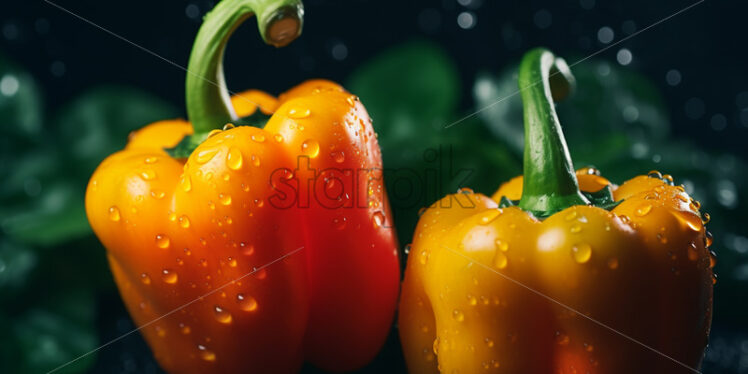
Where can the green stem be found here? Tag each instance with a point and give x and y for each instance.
(550, 184)
(208, 103)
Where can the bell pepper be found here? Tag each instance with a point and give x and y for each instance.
(252, 248)
(559, 271)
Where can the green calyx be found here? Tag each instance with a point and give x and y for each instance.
(208, 101)
(550, 184)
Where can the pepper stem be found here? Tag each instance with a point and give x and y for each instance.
(208, 103)
(550, 184)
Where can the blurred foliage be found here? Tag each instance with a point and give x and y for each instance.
(51, 266)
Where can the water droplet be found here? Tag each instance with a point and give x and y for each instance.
(500, 261)
(255, 160)
(206, 354)
(575, 228)
(186, 183)
(205, 155)
(162, 241)
(489, 216)
(424, 257)
(169, 276)
(184, 329)
(232, 262)
(225, 199)
(151, 160)
(246, 303)
(644, 210)
(246, 249)
(693, 253)
(296, 113)
(458, 315)
(156, 194)
(489, 342)
(581, 252)
(278, 138)
(148, 174)
(561, 338)
(339, 222)
(222, 315)
(708, 239)
(654, 174)
(465, 191)
(472, 300)
(338, 156)
(234, 159)
(705, 218)
(145, 279)
(571, 215)
(228, 126)
(613, 263)
(160, 331)
(114, 213)
(184, 221)
(258, 138)
(712, 259)
(378, 219)
(502, 245)
(310, 147)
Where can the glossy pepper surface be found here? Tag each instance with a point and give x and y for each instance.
(262, 247)
(559, 271)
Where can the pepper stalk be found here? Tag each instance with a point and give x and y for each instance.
(208, 102)
(549, 183)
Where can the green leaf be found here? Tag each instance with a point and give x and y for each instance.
(20, 104)
(16, 264)
(56, 215)
(55, 334)
(97, 123)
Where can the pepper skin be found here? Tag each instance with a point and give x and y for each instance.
(231, 260)
(556, 285)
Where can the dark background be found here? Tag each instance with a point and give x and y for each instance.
(704, 47)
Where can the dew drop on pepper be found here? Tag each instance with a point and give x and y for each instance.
(500, 261)
(338, 156)
(186, 183)
(225, 199)
(114, 213)
(145, 279)
(378, 219)
(222, 315)
(234, 159)
(169, 276)
(206, 354)
(297, 113)
(162, 241)
(644, 210)
(205, 155)
(581, 252)
(310, 147)
(246, 303)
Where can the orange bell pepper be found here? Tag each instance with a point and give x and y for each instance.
(558, 272)
(262, 247)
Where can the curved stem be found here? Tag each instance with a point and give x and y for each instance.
(550, 184)
(208, 103)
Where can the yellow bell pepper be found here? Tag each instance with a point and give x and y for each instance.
(559, 271)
